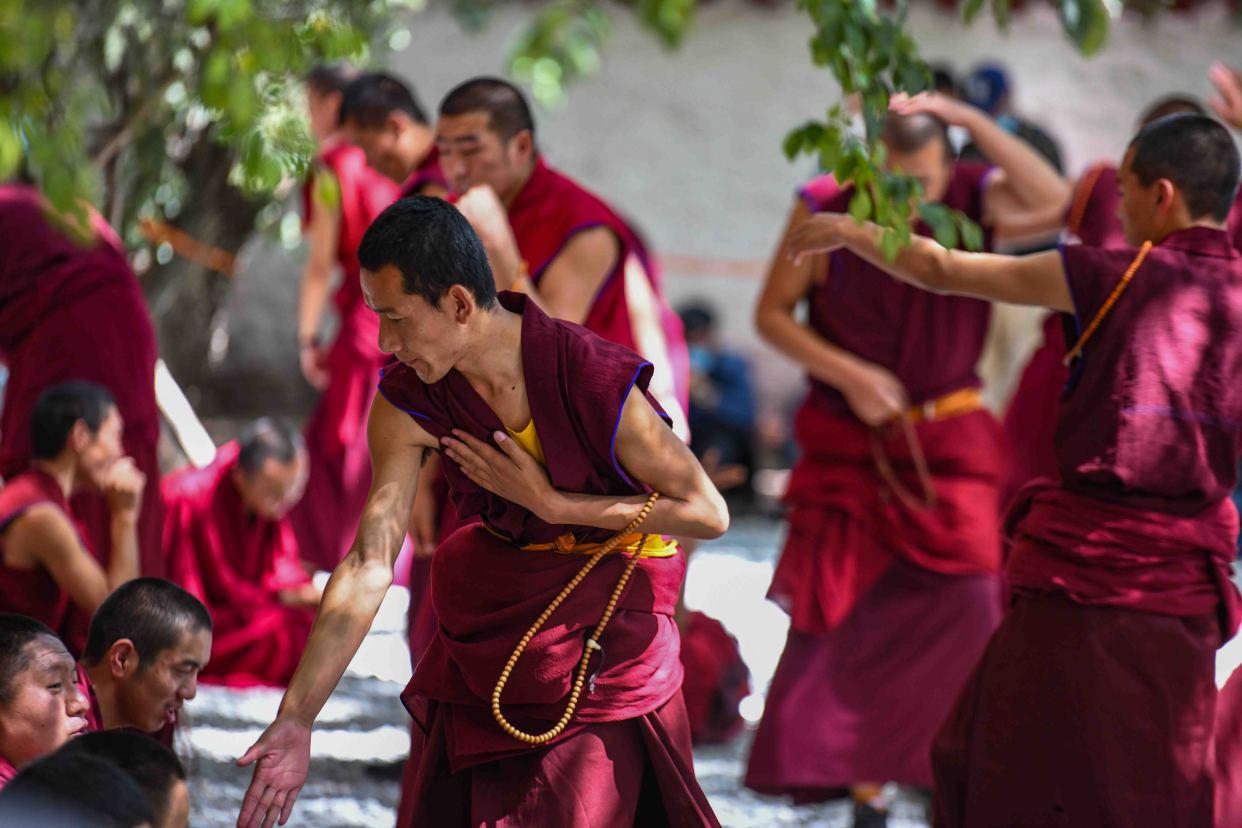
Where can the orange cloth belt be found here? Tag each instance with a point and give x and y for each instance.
(657, 546)
(953, 404)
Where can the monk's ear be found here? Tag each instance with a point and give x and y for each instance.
(1166, 195)
(80, 436)
(461, 303)
(122, 658)
(523, 145)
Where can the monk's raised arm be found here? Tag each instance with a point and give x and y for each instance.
(349, 604)
(568, 287)
(649, 451)
(1038, 279)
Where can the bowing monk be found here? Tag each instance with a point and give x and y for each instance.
(230, 544)
(148, 642)
(382, 115)
(889, 569)
(154, 768)
(552, 441)
(40, 706)
(47, 570)
(1093, 703)
(71, 308)
(341, 198)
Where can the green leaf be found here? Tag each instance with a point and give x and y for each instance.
(860, 205)
(940, 219)
(1086, 22)
(890, 244)
(972, 234)
(970, 10)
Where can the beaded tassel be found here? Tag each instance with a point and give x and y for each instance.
(592, 643)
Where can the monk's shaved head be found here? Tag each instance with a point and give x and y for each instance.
(327, 78)
(74, 789)
(152, 613)
(372, 97)
(17, 635)
(155, 769)
(1171, 105)
(907, 134)
(60, 408)
(268, 438)
(506, 107)
(1194, 152)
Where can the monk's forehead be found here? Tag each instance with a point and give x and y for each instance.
(48, 655)
(464, 126)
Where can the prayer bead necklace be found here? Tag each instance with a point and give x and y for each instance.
(1108, 303)
(592, 643)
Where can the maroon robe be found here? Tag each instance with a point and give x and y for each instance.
(33, 592)
(236, 563)
(626, 755)
(716, 680)
(1120, 573)
(882, 598)
(1031, 413)
(7, 772)
(336, 434)
(72, 312)
(427, 174)
(94, 714)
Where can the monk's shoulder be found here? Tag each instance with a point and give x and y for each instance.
(597, 364)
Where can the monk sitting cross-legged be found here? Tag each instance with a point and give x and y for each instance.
(551, 692)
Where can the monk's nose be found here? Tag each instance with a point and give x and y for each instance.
(75, 702)
(389, 342)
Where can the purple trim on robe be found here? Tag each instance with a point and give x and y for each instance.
(538, 274)
(612, 442)
(415, 414)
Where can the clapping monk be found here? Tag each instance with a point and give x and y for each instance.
(550, 695)
(1093, 703)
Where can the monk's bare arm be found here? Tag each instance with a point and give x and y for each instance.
(651, 343)
(569, 285)
(43, 536)
(359, 583)
(1023, 173)
(1038, 279)
(322, 235)
(786, 286)
(648, 451)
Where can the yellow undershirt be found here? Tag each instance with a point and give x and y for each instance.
(657, 546)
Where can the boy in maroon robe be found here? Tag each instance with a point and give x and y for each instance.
(889, 569)
(47, 570)
(1093, 703)
(504, 389)
(230, 544)
(40, 706)
(342, 197)
(71, 308)
(148, 643)
(382, 115)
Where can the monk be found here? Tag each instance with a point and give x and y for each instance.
(889, 569)
(148, 643)
(46, 565)
(71, 308)
(1092, 219)
(229, 543)
(342, 197)
(552, 441)
(382, 115)
(40, 706)
(155, 769)
(75, 790)
(1119, 572)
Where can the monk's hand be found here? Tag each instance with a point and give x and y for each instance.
(122, 485)
(281, 760)
(874, 394)
(311, 360)
(490, 220)
(950, 110)
(1227, 102)
(820, 233)
(507, 471)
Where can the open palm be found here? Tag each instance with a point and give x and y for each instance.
(281, 760)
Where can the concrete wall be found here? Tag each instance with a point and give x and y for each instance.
(688, 142)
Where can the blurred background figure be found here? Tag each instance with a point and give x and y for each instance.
(988, 87)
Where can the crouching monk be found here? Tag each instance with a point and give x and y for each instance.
(550, 438)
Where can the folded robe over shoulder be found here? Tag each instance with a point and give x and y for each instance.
(487, 591)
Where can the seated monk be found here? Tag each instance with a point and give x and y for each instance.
(147, 644)
(551, 439)
(46, 567)
(229, 542)
(155, 769)
(75, 790)
(40, 707)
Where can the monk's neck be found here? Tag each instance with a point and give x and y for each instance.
(511, 196)
(493, 366)
(1177, 227)
(62, 469)
(106, 695)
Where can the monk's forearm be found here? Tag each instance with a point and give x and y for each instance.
(316, 281)
(694, 517)
(822, 360)
(346, 612)
(123, 563)
(922, 263)
(1035, 181)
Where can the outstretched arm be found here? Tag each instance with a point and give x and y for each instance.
(349, 604)
(648, 450)
(1038, 279)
